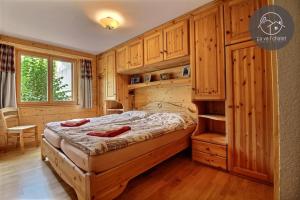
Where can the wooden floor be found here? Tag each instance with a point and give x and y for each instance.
(27, 177)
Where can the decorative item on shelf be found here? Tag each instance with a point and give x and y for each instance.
(135, 79)
(165, 76)
(186, 71)
(147, 78)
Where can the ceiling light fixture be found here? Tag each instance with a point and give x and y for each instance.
(109, 23)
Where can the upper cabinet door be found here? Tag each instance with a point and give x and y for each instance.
(153, 48)
(135, 53)
(237, 14)
(249, 95)
(207, 48)
(176, 40)
(122, 58)
(110, 75)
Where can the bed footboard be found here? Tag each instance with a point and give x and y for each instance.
(67, 170)
(111, 183)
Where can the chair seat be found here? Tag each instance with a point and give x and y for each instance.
(17, 129)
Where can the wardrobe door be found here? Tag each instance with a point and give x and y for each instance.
(153, 47)
(122, 59)
(176, 40)
(237, 14)
(249, 96)
(110, 75)
(135, 53)
(207, 48)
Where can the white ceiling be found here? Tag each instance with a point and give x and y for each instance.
(73, 23)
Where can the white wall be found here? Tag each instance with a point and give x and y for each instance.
(289, 109)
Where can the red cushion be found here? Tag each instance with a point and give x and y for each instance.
(111, 133)
(75, 123)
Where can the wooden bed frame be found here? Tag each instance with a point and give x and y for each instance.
(111, 183)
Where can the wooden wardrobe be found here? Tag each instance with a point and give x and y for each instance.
(236, 120)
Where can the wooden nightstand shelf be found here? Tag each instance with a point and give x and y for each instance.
(209, 142)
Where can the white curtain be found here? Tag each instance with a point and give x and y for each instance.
(7, 77)
(86, 89)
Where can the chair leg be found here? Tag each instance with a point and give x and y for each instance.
(22, 142)
(36, 134)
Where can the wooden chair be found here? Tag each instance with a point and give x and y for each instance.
(13, 128)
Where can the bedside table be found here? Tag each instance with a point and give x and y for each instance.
(210, 149)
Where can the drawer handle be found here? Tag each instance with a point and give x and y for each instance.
(207, 149)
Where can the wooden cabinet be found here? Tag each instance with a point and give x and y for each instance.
(176, 40)
(153, 47)
(207, 60)
(109, 65)
(209, 141)
(122, 58)
(249, 113)
(237, 14)
(115, 85)
(135, 53)
(209, 153)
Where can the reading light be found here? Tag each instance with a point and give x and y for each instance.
(109, 23)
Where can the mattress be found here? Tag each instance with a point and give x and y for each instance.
(108, 160)
(52, 138)
(144, 126)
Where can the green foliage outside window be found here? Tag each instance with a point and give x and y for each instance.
(34, 81)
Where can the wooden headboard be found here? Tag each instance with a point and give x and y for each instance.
(169, 107)
(176, 94)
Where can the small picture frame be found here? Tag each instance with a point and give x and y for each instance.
(135, 79)
(186, 72)
(165, 76)
(147, 78)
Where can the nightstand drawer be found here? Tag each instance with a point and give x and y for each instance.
(210, 159)
(214, 149)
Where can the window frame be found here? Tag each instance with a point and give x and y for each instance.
(50, 91)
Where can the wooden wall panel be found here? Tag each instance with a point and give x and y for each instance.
(179, 95)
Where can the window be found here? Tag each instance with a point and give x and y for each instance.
(34, 79)
(62, 80)
(45, 79)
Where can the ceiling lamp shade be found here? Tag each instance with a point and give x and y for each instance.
(109, 23)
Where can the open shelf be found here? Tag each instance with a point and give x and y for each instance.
(181, 81)
(115, 109)
(215, 138)
(213, 117)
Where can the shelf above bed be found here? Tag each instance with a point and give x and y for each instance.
(115, 109)
(181, 81)
(157, 66)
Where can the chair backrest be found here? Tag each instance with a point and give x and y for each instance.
(10, 117)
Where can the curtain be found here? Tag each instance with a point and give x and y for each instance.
(7, 77)
(86, 98)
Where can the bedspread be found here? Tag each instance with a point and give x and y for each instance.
(144, 126)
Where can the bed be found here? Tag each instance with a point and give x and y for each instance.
(100, 167)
